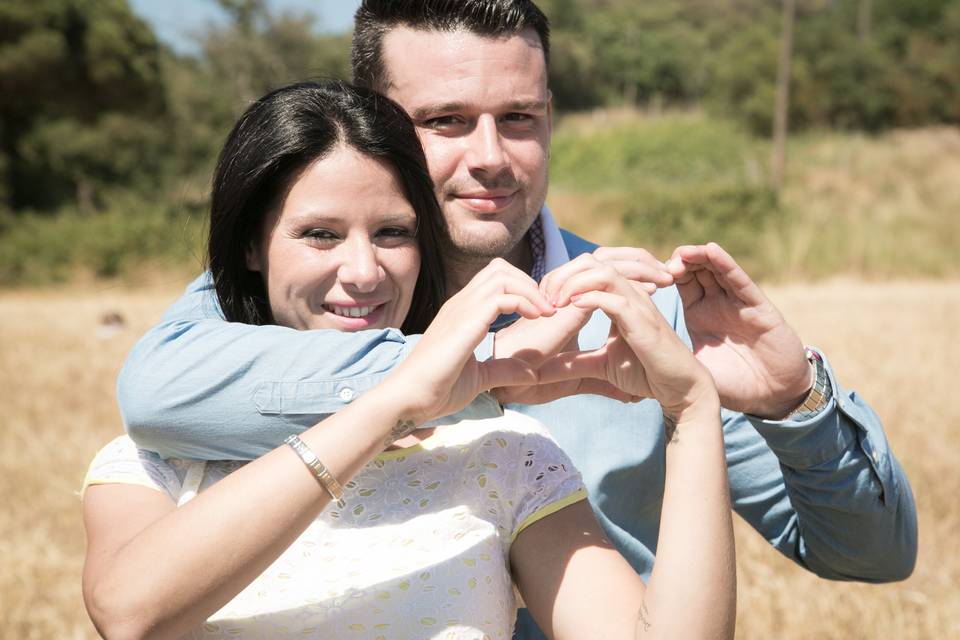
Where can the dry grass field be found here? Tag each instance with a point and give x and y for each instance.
(895, 341)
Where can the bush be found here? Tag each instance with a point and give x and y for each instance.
(666, 181)
(727, 211)
(43, 249)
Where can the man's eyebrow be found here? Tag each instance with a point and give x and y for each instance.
(454, 107)
(441, 107)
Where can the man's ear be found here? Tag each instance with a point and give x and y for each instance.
(550, 111)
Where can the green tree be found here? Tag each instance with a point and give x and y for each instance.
(69, 60)
(258, 51)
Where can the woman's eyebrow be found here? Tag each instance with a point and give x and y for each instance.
(324, 217)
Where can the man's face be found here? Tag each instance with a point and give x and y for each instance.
(482, 111)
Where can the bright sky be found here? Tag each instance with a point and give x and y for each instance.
(175, 20)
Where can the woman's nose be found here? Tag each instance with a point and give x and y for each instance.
(360, 268)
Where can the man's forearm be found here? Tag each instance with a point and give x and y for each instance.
(200, 387)
(828, 492)
(209, 389)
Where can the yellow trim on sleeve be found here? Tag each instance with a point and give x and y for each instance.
(549, 509)
(89, 482)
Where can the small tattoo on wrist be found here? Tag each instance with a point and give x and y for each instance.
(404, 427)
(643, 616)
(670, 430)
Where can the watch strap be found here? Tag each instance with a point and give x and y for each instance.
(821, 391)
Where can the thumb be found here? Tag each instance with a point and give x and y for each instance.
(505, 372)
(573, 365)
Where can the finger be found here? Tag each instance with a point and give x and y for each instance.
(636, 316)
(509, 303)
(708, 282)
(549, 392)
(642, 272)
(635, 264)
(687, 259)
(689, 288)
(604, 388)
(601, 278)
(732, 277)
(501, 276)
(551, 282)
(691, 260)
(607, 254)
(571, 365)
(505, 372)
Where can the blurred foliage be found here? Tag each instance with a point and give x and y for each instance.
(126, 233)
(102, 125)
(669, 180)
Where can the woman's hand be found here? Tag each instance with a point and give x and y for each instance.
(643, 355)
(441, 374)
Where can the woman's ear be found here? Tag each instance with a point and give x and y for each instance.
(253, 257)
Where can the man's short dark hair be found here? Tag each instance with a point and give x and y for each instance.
(375, 18)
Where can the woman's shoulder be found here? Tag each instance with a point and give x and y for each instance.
(121, 461)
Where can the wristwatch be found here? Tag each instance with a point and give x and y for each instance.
(820, 393)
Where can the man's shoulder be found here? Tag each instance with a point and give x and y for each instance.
(576, 245)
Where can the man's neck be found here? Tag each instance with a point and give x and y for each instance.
(461, 269)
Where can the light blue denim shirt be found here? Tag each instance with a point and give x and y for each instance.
(826, 492)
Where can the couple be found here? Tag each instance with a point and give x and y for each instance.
(809, 468)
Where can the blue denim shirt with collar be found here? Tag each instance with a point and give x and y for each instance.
(826, 492)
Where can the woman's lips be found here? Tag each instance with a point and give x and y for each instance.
(355, 317)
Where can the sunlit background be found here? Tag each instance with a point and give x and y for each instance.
(112, 113)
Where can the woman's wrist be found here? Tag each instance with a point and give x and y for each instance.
(396, 400)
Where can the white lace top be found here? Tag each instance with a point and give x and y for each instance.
(421, 550)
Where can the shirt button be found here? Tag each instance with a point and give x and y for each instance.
(876, 457)
(346, 394)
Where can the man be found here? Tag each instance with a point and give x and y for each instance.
(809, 465)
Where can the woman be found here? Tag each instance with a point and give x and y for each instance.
(323, 218)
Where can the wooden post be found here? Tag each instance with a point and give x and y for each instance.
(864, 19)
(778, 160)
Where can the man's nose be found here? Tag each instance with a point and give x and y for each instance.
(360, 269)
(485, 152)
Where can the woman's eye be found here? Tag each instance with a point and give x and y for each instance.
(396, 232)
(322, 235)
(395, 235)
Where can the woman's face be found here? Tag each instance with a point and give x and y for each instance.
(342, 252)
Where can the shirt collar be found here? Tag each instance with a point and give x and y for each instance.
(549, 252)
(546, 245)
(554, 250)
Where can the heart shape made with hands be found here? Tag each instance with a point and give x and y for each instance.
(548, 348)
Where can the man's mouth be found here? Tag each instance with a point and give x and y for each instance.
(487, 202)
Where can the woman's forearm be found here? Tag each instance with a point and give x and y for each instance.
(190, 562)
(692, 589)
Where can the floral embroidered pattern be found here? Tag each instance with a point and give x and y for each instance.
(421, 551)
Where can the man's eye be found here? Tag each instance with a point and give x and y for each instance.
(443, 123)
(519, 119)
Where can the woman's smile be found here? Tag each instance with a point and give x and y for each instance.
(331, 260)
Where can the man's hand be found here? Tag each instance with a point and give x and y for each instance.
(756, 359)
(533, 341)
(637, 265)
